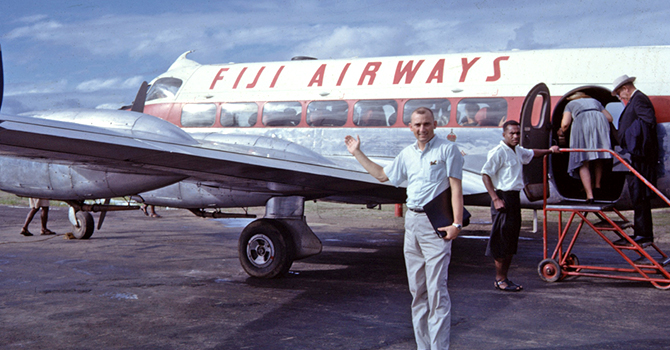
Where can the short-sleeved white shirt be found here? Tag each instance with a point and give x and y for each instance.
(427, 172)
(504, 165)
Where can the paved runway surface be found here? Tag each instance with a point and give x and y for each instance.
(175, 283)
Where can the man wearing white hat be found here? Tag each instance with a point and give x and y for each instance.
(637, 136)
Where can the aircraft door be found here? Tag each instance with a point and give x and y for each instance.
(535, 129)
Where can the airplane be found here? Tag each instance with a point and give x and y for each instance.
(237, 135)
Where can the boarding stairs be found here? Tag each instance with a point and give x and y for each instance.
(647, 261)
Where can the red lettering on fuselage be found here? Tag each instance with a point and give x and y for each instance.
(370, 71)
(344, 71)
(219, 76)
(437, 72)
(274, 81)
(253, 84)
(466, 67)
(496, 68)
(407, 71)
(239, 77)
(318, 76)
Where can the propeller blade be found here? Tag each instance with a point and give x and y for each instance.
(138, 104)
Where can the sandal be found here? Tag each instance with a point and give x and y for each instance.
(46, 231)
(509, 286)
(144, 210)
(26, 232)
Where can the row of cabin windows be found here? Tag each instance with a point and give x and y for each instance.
(470, 112)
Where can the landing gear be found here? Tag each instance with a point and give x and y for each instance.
(265, 249)
(82, 224)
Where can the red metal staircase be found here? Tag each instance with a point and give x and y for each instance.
(647, 261)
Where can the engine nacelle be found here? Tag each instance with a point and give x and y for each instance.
(45, 179)
(188, 194)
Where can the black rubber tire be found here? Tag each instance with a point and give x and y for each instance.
(265, 249)
(549, 270)
(85, 225)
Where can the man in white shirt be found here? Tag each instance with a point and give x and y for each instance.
(430, 166)
(503, 180)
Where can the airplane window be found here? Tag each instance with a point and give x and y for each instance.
(482, 111)
(327, 113)
(441, 109)
(198, 115)
(164, 87)
(239, 114)
(375, 112)
(282, 113)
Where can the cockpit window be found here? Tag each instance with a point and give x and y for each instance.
(164, 88)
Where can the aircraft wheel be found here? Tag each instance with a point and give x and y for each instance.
(85, 225)
(265, 249)
(549, 270)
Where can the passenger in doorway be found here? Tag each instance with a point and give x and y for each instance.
(430, 166)
(501, 175)
(35, 205)
(590, 130)
(637, 136)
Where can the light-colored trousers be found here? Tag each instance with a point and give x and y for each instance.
(427, 259)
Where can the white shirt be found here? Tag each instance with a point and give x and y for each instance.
(427, 172)
(504, 165)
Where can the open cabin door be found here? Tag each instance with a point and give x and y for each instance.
(535, 129)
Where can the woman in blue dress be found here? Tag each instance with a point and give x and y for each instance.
(590, 130)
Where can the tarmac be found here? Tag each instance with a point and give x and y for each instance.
(175, 282)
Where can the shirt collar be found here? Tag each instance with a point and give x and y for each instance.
(502, 142)
(429, 144)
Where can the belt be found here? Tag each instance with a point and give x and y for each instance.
(417, 210)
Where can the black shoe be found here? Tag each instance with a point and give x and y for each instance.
(589, 201)
(622, 241)
(643, 239)
(26, 232)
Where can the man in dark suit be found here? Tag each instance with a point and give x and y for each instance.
(637, 136)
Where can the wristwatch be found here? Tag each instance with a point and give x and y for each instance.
(458, 226)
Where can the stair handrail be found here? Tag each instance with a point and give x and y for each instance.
(615, 155)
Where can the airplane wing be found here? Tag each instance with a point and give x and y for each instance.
(136, 143)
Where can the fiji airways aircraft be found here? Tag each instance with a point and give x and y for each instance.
(271, 134)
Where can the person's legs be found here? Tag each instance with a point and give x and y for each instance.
(45, 218)
(585, 176)
(598, 166)
(437, 255)
(29, 218)
(416, 278)
(502, 267)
